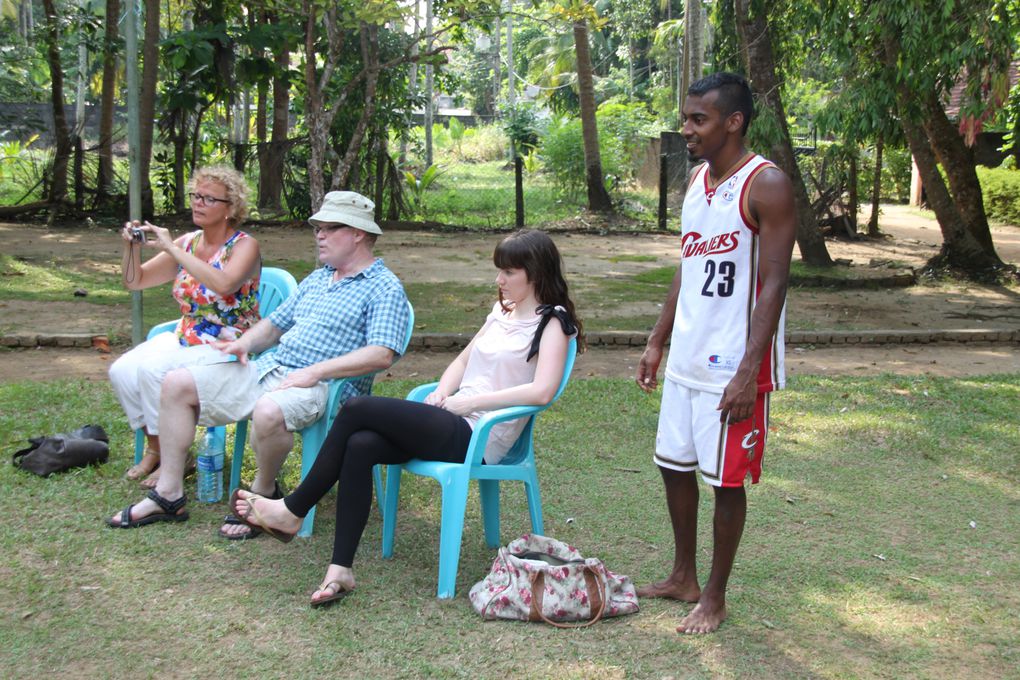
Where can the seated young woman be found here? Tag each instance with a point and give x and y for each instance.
(516, 358)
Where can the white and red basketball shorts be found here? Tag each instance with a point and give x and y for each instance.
(690, 436)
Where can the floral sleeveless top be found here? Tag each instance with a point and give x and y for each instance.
(206, 316)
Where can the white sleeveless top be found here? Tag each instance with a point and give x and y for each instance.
(719, 286)
(497, 361)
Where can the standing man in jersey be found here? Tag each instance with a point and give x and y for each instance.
(725, 313)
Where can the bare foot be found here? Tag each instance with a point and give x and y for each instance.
(702, 619)
(150, 481)
(148, 463)
(272, 514)
(153, 479)
(339, 581)
(671, 590)
(234, 529)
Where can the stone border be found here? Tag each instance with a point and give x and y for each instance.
(451, 342)
(457, 341)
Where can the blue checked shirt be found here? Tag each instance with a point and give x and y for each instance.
(324, 319)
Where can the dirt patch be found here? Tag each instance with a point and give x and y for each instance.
(465, 257)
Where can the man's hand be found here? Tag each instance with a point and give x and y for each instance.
(303, 377)
(738, 400)
(647, 369)
(234, 348)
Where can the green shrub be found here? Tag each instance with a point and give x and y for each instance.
(621, 135)
(631, 124)
(1000, 189)
(483, 143)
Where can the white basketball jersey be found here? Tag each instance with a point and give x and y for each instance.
(719, 286)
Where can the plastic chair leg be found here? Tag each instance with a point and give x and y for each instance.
(311, 441)
(139, 445)
(380, 490)
(237, 460)
(534, 504)
(455, 493)
(389, 513)
(488, 493)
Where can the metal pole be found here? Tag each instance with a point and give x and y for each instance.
(519, 191)
(663, 187)
(131, 20)
(511, 94)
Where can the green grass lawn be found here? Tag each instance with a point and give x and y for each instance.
(481, 196)
(882, 542)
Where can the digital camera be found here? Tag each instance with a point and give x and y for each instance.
(137, 235)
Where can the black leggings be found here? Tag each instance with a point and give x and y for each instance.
(369, 431)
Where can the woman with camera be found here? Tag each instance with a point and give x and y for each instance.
(215, 273)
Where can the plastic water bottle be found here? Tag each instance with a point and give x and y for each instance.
(210, 465)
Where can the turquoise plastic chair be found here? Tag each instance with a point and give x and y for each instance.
(275, 285)
(454, 479)
(314, 435)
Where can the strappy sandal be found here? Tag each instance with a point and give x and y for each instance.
(253, 532)
(257, 522)
(172, 512)
(340, 593)
(140, 470)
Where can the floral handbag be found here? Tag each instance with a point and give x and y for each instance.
(537, 578)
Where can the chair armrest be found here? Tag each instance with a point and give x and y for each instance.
(165, 327)
(480, 435)
(421, 391)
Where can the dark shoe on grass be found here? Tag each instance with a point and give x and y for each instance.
(173, 511)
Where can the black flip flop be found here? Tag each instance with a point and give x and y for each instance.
(170, 513)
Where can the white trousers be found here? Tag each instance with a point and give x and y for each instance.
(137, 376)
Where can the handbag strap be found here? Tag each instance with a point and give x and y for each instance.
(596, 595)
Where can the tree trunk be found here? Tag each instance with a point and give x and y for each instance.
(756, 45)
(960, 248)
(598, 197)
(853, 199)
(104, 176)
(62, 136)
(958, 162)
(316, 118)
(370, 59)
(273, 156)
(147, 100)
(876, 187)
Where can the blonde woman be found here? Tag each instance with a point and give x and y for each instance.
(215, 273)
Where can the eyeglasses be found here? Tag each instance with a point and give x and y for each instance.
(207, 200)
(328, 228)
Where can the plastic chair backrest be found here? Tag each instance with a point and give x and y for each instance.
(523, 447)
(275, 285)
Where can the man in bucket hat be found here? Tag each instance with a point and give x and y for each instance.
(347, 318)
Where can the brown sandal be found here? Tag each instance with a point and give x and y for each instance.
(338, 594)
(141, 469)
